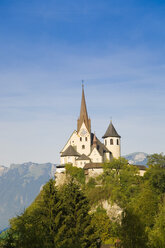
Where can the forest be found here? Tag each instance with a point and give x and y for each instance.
(72, 215)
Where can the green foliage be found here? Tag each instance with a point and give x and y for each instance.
(121, 180)
(75, 173)
(157, 234)
(156, 160)
(58, 219)
(145, 205)
(97, 194)
(105, 228)
(115, 164)
(132, 230)
(156, 178)
(76, 230)
(91, 183)
(155, 175)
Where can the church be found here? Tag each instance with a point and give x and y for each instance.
(83, 149)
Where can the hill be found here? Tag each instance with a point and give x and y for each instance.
(21, 183)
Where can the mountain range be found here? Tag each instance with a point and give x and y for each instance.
(137, 158)
(21, 183)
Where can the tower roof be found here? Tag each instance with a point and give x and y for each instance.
(83, 114)
(111, 132)
(70, 151)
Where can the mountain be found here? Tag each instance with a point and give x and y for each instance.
(3, 169)
(19, 185)
(137, 158)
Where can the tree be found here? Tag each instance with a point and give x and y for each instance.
(145, 205)
(105, 228)
(155, 176)
(51, 214)
(132, 231)
(115, 164)
(38, 225)
(59, 218)
(157, 234)
(156, 160)
(76, 230)
(75, 173)
(122, 181)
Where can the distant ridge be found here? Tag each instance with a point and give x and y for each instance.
(19, 185)
(137, 158)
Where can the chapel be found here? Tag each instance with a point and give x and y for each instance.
(83, 148)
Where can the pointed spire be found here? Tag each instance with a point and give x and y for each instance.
(94, 141)
(111, 132)
(83, 113)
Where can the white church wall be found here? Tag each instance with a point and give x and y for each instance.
(72, 141)
(95, 156)
(69, 160)
(84, 141)
(115, 148)
(81, 163)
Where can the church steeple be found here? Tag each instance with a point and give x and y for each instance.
(83, 114)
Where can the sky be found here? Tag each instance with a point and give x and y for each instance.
(48, 47)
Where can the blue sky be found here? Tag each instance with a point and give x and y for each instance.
(47, 47)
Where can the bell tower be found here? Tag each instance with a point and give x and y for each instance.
(112, 141)
(84, 128)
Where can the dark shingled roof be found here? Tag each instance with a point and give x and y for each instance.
(70, 151)
(111, 132)
(93, 166)
(100, 146)
(83, 157)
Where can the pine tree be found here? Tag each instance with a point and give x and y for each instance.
(76, 230)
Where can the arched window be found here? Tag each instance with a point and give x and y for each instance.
(105, 142)
(83, 147)
(80, 138)
(86, 138)
(117, 142)
(111, 141)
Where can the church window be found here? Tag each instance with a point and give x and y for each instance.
(105, 142)
(86, 138)
(111, 141)
(83, 147)
(80, 138)
(117, 142)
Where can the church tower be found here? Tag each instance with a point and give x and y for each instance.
(112, 141)
(84, 128)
